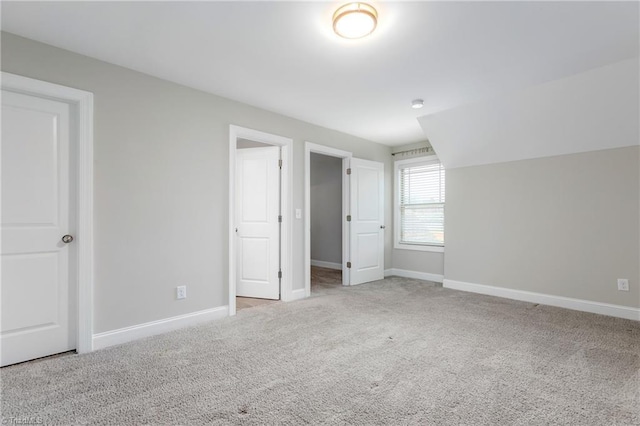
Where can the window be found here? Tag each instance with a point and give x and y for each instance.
(419, 204)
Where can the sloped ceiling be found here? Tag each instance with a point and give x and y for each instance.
(284, 57)
(594, 110)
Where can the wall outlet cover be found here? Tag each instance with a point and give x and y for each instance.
(623, 284)
(181, 292)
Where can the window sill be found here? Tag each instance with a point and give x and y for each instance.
(416, 247)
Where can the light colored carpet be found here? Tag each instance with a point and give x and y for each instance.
(396, 351)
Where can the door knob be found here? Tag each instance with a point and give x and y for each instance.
(67, 239)
(382, 226)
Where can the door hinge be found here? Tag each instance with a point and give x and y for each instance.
(280, 218)
(348, 218)
(280, 163)
(279, 274)
(348, 264)
(349, 171)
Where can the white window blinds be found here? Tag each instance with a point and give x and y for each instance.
(422, 204)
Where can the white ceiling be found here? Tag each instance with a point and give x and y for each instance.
(594, 110)
(283, 56)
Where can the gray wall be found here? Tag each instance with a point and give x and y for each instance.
(565, 225)
(413, 260)
(161, 182)
(246, 143)
(326, 208)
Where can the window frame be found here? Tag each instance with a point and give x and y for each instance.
(397, 166)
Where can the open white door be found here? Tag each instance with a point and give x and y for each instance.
(257, 226)
(37, 316)
(367, 221)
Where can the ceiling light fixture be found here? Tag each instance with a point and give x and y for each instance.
(417, 103)
(355, 20)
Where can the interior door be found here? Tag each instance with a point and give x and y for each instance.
(37, 316)
(257, 226)
(367, 221)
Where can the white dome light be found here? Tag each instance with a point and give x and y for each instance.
(355, 20)
(417, 103)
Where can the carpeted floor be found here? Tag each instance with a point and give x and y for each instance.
(322, 279)
(397, 351)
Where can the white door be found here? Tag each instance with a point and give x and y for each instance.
(38, 318)
(257, 226)
(367, 221)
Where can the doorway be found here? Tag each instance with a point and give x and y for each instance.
(330, 157)
(257, 225)
(363, 224)
(326, 222)
(259, 218)
(47, 188)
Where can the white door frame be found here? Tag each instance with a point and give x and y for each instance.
(82, 150)
(346, 161)
(235, 133)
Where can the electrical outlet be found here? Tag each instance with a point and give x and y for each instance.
(623, 284)
(181, 292)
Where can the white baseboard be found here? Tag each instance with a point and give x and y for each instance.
(298, 294)
(427, 276)
(323, 264)
(127, 334)
(546, 299)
